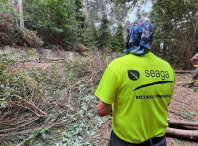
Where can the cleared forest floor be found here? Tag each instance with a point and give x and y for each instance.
(184, 106)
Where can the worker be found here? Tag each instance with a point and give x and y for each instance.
(137, 88)
(195, 74)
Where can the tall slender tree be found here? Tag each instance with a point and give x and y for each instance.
(21, 13)
(175, 28)
(120, 36)
(104, 37)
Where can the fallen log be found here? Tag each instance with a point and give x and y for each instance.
(183, 134)
(184, 71)
(183, 124)
(49, 59)
(54, 59)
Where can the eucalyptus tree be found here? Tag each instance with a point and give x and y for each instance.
(128, 4)
(20, 9)
(80, 20)
(115, 13)
(162, 22)
(175, 27)
(95, 9)
(17, 5)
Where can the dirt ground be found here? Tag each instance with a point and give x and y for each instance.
(184, 106)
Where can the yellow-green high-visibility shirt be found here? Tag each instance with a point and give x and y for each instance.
(139, 89)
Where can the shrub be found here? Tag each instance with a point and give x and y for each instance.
(6, 25)
(28, 38)
(11, 34)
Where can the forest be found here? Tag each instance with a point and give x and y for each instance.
(56, 105)
(64, 24)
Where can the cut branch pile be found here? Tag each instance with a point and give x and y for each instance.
(58, 96)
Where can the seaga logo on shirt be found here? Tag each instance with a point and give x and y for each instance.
(156, 73)
(134, 75)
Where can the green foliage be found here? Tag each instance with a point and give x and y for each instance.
(60, 23)
(105, 34)
(81, 126)
(7, 16)
(95, 37)
(65, 93)
(115, 44)
(126, 24)
(195, 89)
(128, 4)
(96, 7)
(184, 84)
(81, 25)
(11, 34)
(187, 115)
(28, 38)
(29, 140)
(120, 35)
(117, 13)
(175, 30)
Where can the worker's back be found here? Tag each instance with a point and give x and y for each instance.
(142, 87)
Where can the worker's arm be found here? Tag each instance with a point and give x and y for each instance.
(103, 109)
(192, 61)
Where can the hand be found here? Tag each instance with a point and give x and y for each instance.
(195, 65)
(111, 113)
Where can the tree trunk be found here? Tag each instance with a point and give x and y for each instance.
(183, 134)
(171, 54)
(86, 10)
(164, 47)
(21, 13)
(186, 123)
(183, 124)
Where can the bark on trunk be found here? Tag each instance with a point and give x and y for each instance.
(86, 10)
(182, 123)
(164, 47)
(21, 13)
(183, 134)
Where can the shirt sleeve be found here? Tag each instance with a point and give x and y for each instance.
(196, 57)
(107, 87)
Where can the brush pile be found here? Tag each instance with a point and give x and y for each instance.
(35, 101)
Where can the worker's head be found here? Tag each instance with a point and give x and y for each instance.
(139, 37)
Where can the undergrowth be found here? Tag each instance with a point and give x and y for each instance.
(188, 115)
(53, 106)
(11, 34)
